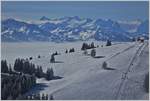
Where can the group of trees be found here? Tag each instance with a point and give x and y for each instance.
(87, 46)
(70, 50)
(15, 85)
(16, 82)
(38, 97)
(5, 68)
(90, 46)
(24, 66)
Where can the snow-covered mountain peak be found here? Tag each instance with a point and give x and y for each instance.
(44, 18)
(71, 28)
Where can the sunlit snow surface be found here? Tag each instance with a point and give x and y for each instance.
(83, 76)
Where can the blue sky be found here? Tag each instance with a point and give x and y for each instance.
(33, 10)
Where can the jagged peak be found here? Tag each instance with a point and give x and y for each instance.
(43, 18)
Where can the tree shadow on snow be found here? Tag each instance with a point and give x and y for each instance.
(37, 88)
(108, 68)
(58, 62)
(99, 56)
(57, 77)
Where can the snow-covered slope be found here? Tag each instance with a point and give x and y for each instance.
(67, 29)
(83, 76)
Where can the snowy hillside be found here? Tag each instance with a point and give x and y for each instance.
(70, 29)
(83, 76)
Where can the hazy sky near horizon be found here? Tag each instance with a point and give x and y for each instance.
(116, 10)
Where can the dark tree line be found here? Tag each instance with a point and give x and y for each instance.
(16, 82)
(4, 66)
(24, 66)
(87, 46)
(37, 97)
(70, 50)
(15, 85)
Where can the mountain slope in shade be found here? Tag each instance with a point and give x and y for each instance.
(67, 29)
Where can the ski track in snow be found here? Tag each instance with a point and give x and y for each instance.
(140, 49)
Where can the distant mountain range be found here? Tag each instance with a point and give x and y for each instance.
(71, 29)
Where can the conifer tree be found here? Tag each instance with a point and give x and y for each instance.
(104, 65)
(43, 96)
(4, 66)
(46, 97)
(85, 52)
(49, 74)
(93, 52)
(66, 51)
(52, 60)
(92, 45)
(51, 97)
(108, 43)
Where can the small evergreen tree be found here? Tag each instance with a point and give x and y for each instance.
(52, 60)
(83, 46)
(85, 52)
(51, 97)
(66, 51)
(108, 43)
(56, 53)
(4, 66)
(92, 45)
(104, 65)
(49, 74)
(30, 58)
(46, 97)
(43, 96)
(39, 56)
(93, 52)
